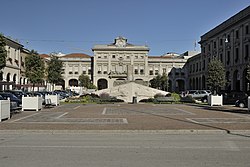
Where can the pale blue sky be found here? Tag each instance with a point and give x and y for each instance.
(71, 26)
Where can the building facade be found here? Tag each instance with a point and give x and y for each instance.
(10, 74)
(230, 43)
(122, 62)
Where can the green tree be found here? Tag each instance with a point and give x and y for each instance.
(85, 82)
(34, 68)
(216, 78)
(3, 53)
(54, 70)
(164, 82)
(160, 82)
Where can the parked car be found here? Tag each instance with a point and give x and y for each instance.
(18, 93)
(12, 98)
(242, 103)
(232, 97)
(199, 94)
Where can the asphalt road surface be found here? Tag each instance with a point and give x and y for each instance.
(100, 149)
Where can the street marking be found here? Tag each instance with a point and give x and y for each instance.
(61, 115)
(24, 117)
(76, 107)
(124, 147)
(104, 111)
(219, 120)
(184, 111)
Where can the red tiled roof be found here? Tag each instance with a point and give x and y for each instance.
(44, 55)
(76, 55)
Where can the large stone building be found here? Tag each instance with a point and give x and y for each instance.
(121, 62)
(12, 75)
(230, 43)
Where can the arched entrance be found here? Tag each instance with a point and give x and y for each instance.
(236, 81)
(73, 82)
(245, 82)
(228, 83)
(102, 84)
(180, 85)
(203, 80)
(62, 83)
(170, 89)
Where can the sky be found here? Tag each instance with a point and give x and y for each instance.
(75, 26)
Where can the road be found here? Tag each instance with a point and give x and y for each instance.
(149, 149)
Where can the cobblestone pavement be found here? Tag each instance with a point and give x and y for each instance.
(131, 117)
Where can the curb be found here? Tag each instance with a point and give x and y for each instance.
(168, 132)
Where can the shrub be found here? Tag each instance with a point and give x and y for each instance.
(158, 95)
(176, 97)
(187, 99)
(104, 95)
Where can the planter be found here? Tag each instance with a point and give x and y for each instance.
(54, 99)
(4, 109)
(32, 103)
(215, 100)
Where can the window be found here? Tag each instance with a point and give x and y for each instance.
(197, 67)
(214, 44)
(105, 57)
(156, 72)
(136, 57)
(83, 72)
(89, 71)
(70, 72)
(151, 72)
(246, 52)
(99, 72)
(76, 72)
(128, 57)
(236, 55)
(99, 57)
(164, 70)
(209, 47)
(247, 29)
(204, 49)
(228, 38)
(113, 56)
(228, 57)
(190, 67)
(204, 63)
(221, 58)
(136, 71)
(221, 42)
(237, 34)
(141, 71)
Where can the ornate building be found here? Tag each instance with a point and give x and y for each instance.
(230, 43)
(121, 62)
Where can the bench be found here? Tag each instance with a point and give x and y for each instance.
(48, 103)
(165, 99)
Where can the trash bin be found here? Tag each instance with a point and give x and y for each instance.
(134, 99)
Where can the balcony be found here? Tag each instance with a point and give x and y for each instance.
(116, 74)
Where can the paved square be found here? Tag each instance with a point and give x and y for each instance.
(220, 120)
(57, 118)
(153, 111)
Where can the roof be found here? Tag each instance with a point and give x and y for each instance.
(44, 55)
(76, 55)
(163, 57)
